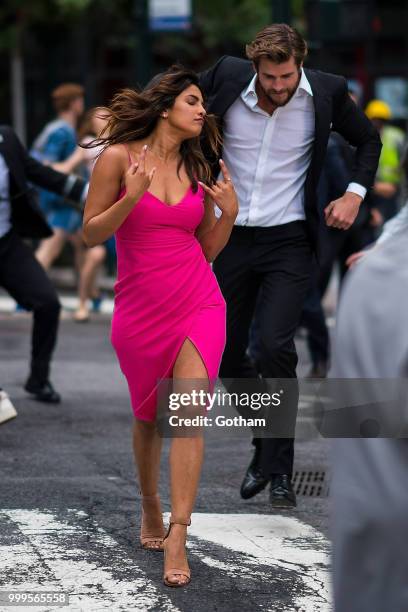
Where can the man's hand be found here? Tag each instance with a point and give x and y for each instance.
(341, 213)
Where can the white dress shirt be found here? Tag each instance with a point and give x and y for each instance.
(268, 156)
(5, 207)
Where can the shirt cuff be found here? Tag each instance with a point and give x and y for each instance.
(358, 189)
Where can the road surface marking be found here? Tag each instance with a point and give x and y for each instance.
(75, 555)
(262, 542)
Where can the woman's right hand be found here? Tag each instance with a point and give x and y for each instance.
(137, 180)
(223, 193)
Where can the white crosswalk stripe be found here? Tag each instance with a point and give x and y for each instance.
(58, 555)
(74, 555)
(265, 543)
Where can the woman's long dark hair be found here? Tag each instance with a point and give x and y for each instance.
(134, 116)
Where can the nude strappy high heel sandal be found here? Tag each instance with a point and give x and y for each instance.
(174, 572)
(151, 538)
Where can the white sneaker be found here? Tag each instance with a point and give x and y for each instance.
(7, 410)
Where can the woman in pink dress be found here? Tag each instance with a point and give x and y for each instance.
(151, 188)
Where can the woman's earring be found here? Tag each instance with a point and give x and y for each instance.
(164, 115)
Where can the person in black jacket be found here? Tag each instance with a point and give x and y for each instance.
(276, 119)
(20, 273)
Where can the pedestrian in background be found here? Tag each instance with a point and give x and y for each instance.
(90, 128)
(386, 190)
(369, 493)
(20, 273)
(56, 142)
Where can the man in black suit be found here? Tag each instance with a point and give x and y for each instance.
(20, 273)
(276, 118)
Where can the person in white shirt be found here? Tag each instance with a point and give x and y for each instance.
(276, 118)
(369, 502)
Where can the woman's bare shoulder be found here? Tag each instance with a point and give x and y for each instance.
(113, 158)
(120, 154)
(115, 152)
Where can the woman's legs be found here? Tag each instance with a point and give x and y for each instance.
(79, 247)
(186, 457)
(94, 258)
(50, 248)
(147, 448)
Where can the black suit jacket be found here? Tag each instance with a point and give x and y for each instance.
(334, 110)
(26, 216)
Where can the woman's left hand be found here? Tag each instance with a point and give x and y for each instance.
(223, 193)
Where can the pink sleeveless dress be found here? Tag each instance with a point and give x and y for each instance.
(165, 292)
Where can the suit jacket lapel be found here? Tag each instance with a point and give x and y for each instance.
(323, 111)
(229, 91)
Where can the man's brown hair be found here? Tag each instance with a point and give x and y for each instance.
(63, 95)
(278, 42)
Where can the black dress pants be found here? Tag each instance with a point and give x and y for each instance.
(273, 263)
(26, 281)
(314, 321)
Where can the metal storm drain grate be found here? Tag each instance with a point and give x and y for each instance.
(310, 484)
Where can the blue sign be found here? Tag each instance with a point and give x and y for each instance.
(169, 15)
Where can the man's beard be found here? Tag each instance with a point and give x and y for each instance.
(280, 100)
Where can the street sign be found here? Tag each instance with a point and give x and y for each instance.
(169, 15)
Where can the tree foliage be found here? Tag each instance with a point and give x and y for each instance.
(16, 16)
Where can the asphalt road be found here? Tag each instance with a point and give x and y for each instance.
(69, 505)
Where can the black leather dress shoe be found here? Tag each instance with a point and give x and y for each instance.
(281, 494)
(44, 392)
(254, 480)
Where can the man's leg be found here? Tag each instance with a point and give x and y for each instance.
(332, 241)
(239, 287)
(286, 266)
(314, 321)
(24, 278)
